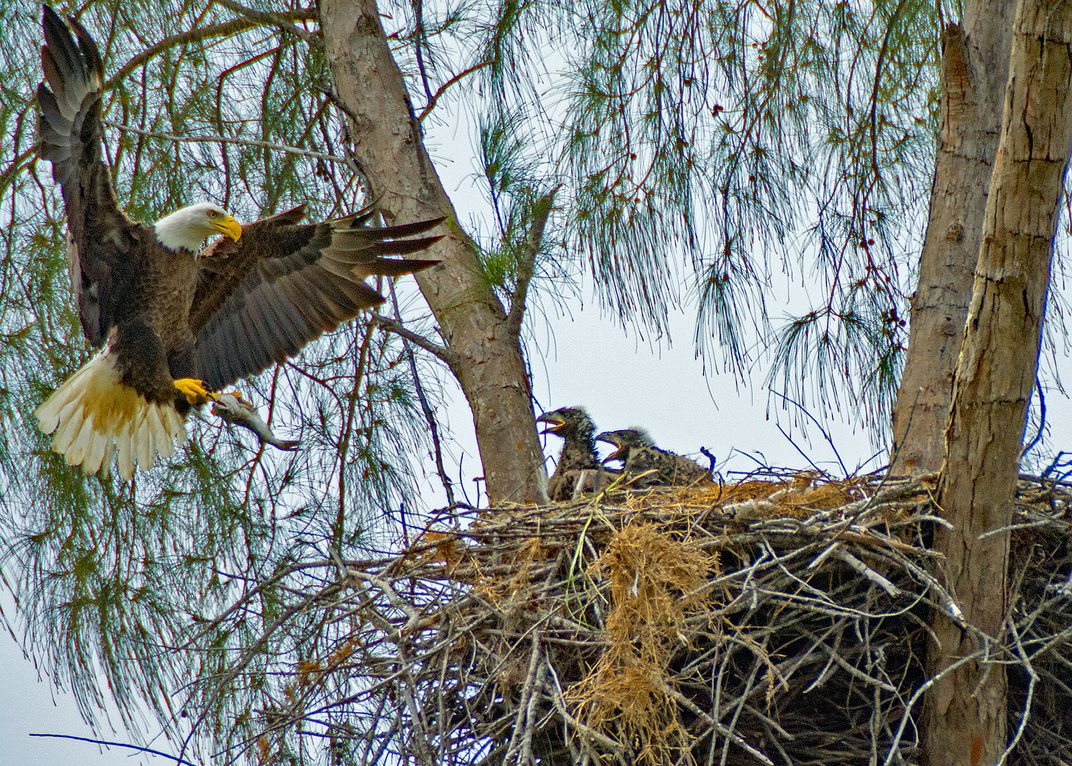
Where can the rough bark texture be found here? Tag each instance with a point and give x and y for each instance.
(484, 350)
(966, 710)
(974, 72)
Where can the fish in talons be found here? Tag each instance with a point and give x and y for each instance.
(232, 408)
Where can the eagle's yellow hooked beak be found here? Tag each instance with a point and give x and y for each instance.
(228, 226)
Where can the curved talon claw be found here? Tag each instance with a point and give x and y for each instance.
(194, 390)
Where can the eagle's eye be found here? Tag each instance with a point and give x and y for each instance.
(212, 214)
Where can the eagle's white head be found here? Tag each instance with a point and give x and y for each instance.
(188, 227)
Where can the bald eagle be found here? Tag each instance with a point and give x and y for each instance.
(176, 322)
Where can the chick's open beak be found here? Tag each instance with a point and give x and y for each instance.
(618, 450)
(229, 227)
(553, 424)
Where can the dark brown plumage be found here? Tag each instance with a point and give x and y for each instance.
(261, 299)
(578, 468)
(172, 318)
(71, 133)
(646, 465)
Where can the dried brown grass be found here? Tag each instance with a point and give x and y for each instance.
(775, 621)
(655, 576)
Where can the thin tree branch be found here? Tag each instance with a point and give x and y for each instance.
(351, 119)
(426, 409)
(420, 40)
(822, 429)
(280, 20)
(393, 325)
(109, 743)
(443, 88)
(527, 267)
(194, 35)
(230, 140)
(16, 166)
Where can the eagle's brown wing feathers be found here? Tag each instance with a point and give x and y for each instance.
(283, 284)
(99, 234)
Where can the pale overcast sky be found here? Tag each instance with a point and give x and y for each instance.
(592, 362)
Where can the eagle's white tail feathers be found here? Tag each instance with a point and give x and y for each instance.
(163, 440)
(93, 417)
(94, 458)
(126, 453)
(158, 441)
(144, 447)
(82, 441)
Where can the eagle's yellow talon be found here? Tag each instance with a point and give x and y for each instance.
(194, 390)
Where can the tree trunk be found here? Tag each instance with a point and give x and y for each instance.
(483, 347)
(966, 710)
(974, 72)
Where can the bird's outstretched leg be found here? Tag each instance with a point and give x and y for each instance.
(196, 394)
(194, 390)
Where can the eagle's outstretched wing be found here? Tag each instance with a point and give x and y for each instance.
(261, 299)
(99, 234)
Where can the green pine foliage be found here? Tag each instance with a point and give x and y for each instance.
(518, 195)
(709, 154)
(702, 154)
(125, 588)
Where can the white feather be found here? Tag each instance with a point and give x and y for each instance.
(95, 453)
(143, 437)
(94, 418)
(170, 430)
(158, 436)
(48, 416)
(67, 432)
(79, 444)
(125, 447)
(109, 456)
(163, 434)
(70, 408)
(68, 398)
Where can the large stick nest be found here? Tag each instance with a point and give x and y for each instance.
(781, 621)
